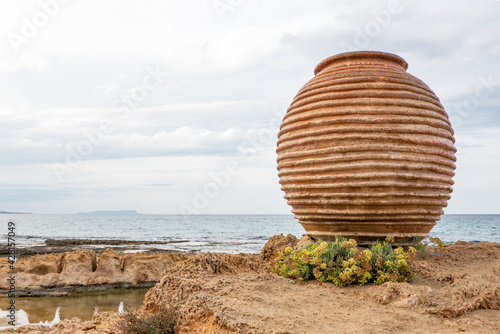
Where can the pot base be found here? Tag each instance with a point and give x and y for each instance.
(367, 232)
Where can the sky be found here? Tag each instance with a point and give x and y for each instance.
(173, 106)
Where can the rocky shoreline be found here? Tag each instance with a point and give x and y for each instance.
(457, 290)
(70, 245)
(86, 270)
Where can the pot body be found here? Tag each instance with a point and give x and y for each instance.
(366, 151)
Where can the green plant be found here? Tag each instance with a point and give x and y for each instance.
(421, 245)
(134, 322)
(436, 242)
(342, 263)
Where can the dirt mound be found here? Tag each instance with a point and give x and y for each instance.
(452, 281)
(277, 244)
(223, 293)
(467, 277)
(183, 281)
(219, 263)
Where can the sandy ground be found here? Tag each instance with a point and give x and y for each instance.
(457, 290)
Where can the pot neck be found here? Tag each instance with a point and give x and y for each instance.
(348, 59)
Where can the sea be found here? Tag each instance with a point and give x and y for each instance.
(207, 233)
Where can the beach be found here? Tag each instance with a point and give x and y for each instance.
(457, 289)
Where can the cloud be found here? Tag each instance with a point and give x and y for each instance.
(213, 128)
(227, 81)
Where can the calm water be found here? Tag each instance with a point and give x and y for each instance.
(220, 233)
(82, 305)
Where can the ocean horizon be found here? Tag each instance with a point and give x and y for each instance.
(214, 233)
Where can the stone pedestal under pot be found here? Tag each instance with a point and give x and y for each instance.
(366, 151)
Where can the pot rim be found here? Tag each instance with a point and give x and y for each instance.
(356, 55)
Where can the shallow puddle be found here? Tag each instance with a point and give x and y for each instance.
(81, 305)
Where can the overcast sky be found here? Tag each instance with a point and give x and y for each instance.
(173, 106)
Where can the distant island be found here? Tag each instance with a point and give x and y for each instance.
(119, 212)
(14, 213)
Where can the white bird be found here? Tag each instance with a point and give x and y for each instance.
(121, 309)
(57, 317)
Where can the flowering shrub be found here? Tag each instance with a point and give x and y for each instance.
(340, 262)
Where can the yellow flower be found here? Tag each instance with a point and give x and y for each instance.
(365, 279)
(382, 278)
(349, 263)
(399, 257)
(323, 266)
(389, 238)
(412, 250)
(321, 250)
(399, 251)
(288, 250)
(367, 254)
(402, 263)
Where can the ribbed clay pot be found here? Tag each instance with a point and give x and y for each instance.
(366, 151)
